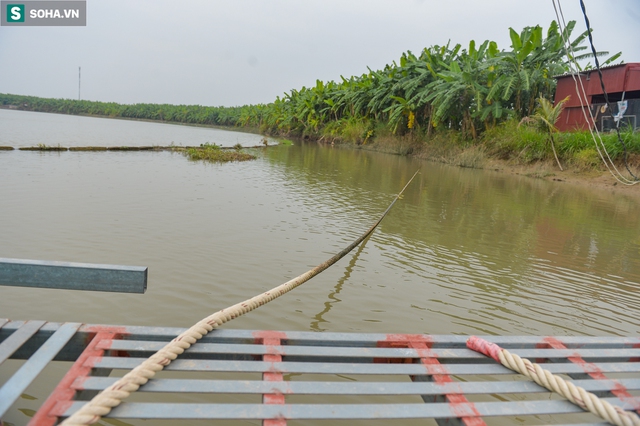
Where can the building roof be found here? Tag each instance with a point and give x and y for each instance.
(585, 72)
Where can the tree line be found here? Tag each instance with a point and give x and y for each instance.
(468, 89)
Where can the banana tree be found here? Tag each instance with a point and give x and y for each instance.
(546, 117)
(399, 110)
(459, 93)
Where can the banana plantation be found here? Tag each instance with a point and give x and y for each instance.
(194, 114)
(467, 89)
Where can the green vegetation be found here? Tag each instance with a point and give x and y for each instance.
(546, 117)
(43, 147)
(441, 103)
(214, 153)
(526, 144)
(192, 114)
(469, 90)
(88, 148)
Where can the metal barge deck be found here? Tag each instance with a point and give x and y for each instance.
(278, 377)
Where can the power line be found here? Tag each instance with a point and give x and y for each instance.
(606, 96)
(584, 101)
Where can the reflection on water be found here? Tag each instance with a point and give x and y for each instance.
(333, 299)
(476, 252)
(464, 252)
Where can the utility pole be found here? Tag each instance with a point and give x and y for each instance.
(79, 68)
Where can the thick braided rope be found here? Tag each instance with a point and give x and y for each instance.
(583, 399)
(112, 396)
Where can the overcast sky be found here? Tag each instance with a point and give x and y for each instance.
(236, 52)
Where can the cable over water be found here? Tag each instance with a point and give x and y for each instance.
(112, 396)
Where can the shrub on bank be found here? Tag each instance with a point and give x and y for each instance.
(525, 144)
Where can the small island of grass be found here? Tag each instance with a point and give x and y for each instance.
(215, 153)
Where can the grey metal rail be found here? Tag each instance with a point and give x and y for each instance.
(73, 275)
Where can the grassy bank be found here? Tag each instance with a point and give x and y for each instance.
(510, 142)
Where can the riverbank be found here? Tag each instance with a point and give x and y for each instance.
(596, 178)
(592, 175)
(507, 148)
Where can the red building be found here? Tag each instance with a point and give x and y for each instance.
(622, 83)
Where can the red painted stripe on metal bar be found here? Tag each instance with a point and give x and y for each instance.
(593, 371)
(401, 341)
(459, 404)
(62, 396)
(636, 346)
(272, 341)
(461, 407)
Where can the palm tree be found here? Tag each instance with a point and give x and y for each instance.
(546, 116)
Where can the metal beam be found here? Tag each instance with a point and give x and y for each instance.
(347, 388)
(153, 411)
(73, 276)
(305, 338)
(360, 352)
(137, 410)
(349, 368)
(18, 338)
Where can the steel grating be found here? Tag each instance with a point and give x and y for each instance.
(280, 376)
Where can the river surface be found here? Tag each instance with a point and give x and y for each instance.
(464, 252)
(19, 129)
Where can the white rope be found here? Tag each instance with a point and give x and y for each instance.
(112, 396)
(577, 395)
